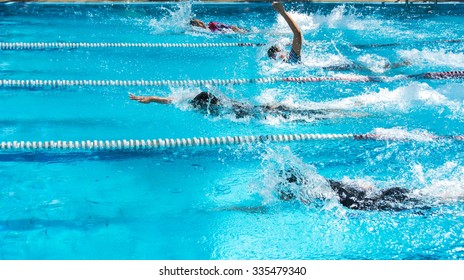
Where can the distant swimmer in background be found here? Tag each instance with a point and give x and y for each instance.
(209, 104)
(276, 52)
(217, 27)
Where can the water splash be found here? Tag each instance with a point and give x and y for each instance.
(182, 95)
(304, 21)
(444, 183)
(343, 17)
(427, 57)
(397, 133)
(375, 63)
(277, 166)
(340, 17)
(405, 98)
(176, 20)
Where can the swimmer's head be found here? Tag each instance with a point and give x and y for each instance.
(197, 23)
(204, 100)
(275, 52)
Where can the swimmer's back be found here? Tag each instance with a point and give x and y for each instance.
(391, 199)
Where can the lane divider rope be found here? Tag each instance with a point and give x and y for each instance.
(74, 45)
(151, 83)
(189, 142)
(64, 45)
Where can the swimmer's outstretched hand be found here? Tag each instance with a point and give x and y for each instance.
(278, 7)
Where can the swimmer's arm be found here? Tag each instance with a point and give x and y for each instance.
(151, 99)
(238, 29)
(297, 37)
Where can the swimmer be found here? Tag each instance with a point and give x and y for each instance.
(294, 57)
(358, 197)
(209, 104)
(217, 26)
(275, 52)
(355, 197)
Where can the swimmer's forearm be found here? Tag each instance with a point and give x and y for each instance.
(291, 23)
(297, 37)
(150, 99)
(159, 100)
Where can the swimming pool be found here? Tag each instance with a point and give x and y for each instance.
(220, 201)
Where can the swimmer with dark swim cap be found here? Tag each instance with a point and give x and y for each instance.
(353, 196)
(199, 101)
(356, 198)
(294, 57)
(209, 104)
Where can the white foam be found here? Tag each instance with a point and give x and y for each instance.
(375, 63)
(403, 134)
(182, 95)
(342, 17)
(429, 57)
(445, 182)
(274, 96)
(304, 21)
(403, 99)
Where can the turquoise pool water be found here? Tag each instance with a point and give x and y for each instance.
(220, 202)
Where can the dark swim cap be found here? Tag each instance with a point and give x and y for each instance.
(204, 99)
(272, 51)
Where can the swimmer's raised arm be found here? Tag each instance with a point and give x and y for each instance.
(151, 99)
(297, 37)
